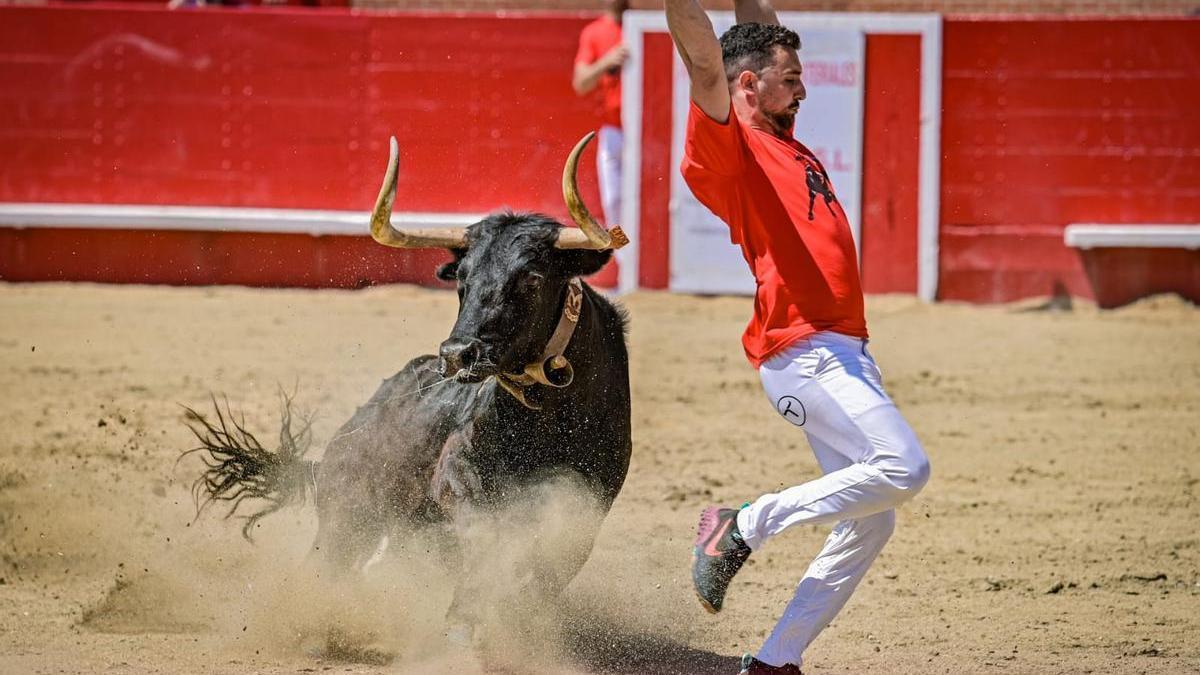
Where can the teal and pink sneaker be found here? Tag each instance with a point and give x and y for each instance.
(717, 556)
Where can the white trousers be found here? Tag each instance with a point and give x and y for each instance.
(609, 151)
(829, 386)
(610, 146)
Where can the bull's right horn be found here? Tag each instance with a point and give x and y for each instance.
(382, 230)
(590, 233)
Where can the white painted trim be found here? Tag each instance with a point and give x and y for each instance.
(1089, 235)
(856, 226)
(928, 26)
(631, 156)
(213, 218)
(929, 180)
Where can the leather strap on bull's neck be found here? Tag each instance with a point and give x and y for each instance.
(556, 347)
(572, 305)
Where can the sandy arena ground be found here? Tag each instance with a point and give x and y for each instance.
(1060, 532)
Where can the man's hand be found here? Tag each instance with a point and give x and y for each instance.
(754, 11)
(587, 75)
(615, 57)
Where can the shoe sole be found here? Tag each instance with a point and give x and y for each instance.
(703, 603)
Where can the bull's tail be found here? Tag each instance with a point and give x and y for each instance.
(240, 468)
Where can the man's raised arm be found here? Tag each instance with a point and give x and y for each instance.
(754, 11)
(701, 53)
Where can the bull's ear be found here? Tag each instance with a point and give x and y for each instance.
(449, 271)
(582, 262)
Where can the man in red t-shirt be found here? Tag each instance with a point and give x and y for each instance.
(598, 72)
(808, 335)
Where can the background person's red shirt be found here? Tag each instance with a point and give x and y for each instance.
(596, 39)
(776, 198)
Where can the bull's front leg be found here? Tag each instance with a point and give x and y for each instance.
(456, 481)
(456, 487)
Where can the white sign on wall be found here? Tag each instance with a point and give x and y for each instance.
(830, 123)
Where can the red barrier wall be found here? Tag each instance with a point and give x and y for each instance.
(293, 109)
(1051, 122)
(1045, 123)
(891, 163)
(285, 108)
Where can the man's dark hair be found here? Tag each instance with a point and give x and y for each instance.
(751, 46)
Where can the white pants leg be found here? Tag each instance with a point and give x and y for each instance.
(829, 386)
(609, 147)
(609, 151)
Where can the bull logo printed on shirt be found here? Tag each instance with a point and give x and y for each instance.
(818, 184)
(792, 410)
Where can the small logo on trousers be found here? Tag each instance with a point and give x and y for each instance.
(792, 410)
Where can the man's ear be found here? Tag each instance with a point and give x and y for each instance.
(582, 262)
(449, 271)
(747, 81)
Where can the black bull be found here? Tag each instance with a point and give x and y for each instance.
(444, 436)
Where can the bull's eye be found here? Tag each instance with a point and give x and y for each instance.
(532, 282)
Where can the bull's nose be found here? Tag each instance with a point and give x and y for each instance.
(458, 355)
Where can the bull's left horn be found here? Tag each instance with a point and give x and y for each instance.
(382, 230)
(590, 233)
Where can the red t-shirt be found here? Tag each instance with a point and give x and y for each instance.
(776, 198)
(596, 39)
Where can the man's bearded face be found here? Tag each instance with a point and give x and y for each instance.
(780, 89)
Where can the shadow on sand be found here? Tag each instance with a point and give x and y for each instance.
(603, 646)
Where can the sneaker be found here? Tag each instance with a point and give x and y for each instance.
(717, 556)
(752, 666)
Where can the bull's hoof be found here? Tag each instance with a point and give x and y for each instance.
(460, 635)
(342, 647)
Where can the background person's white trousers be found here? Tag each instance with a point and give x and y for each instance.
(609, 148)
(829, 386)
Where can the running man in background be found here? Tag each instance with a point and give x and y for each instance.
(808, 335)
(598, 72)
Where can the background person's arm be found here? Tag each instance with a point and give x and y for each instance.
(701, 53)
(587, 75)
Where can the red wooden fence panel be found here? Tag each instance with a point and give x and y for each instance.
(283, 108)
(1053, 122)
(891, 162)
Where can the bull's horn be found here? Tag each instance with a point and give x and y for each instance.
(590, 233)
(381, 218)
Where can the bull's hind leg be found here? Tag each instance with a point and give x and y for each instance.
(343, 546)
(345, 541)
